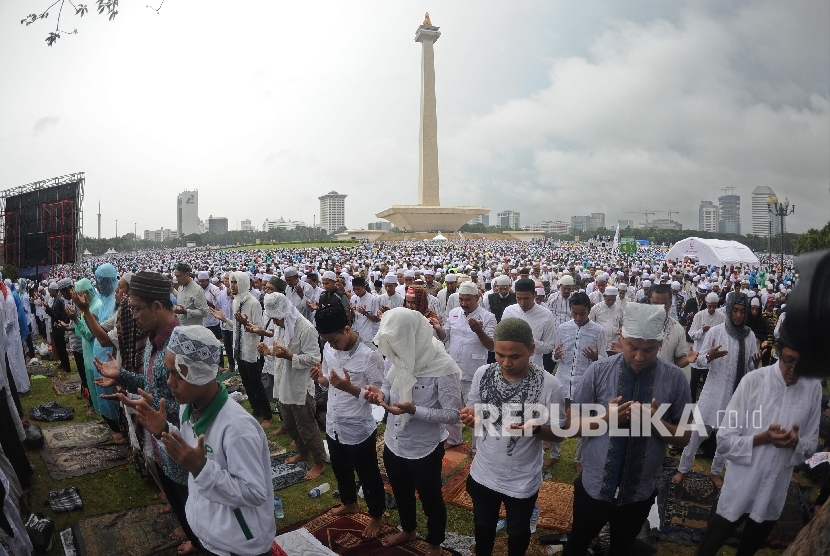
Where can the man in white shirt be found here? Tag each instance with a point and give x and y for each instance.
(365, 306)
(609, 315)
(558, 302)
(539, 318)
(701, 324)
(598, 291)
(451, 284)
(299, 293)
(776, 428)
(507, 469)
(674, 349)
(349, 365)
(469, 337)
(390, 299)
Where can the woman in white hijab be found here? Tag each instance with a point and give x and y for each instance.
(421, 392)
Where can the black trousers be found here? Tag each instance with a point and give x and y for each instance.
(227, 340)
(486, 505)
(346, 459)
(59, 339)
(250, 374)
(177, 498)
(12, 446)
(719, 529)
(13, 388)
(424, 475)
(591, 515)
(30, 345)
(41, 327)
(217, 332)
(698, 375)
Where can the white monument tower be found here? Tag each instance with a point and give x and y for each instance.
(428, 215)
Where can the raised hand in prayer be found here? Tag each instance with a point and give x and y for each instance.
(70, 311)
(591, 353)
(559, 353)
(374, 395)
(475, 325)
(313, 305)
(151, 419)
(239, 317)
(756, 359)
(343, 383)
(318, 375)
(191, 458)
(691, 357)
(217, 313)
(716, 352)
(79, 299)
(263, 349)
(399, 408)
(467, 416)
(282, 352)
(110, 369)
(179, 309)
(621, 411)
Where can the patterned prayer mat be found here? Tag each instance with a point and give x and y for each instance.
(64, 463)
(555, 503)
(75, 435)
(284, 475)
(135, 532)
(63, 388)
(343, 535)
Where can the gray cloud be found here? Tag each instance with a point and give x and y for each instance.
(44, 124)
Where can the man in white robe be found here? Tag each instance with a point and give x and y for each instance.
(775, 428)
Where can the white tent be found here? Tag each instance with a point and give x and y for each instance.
(710, 252)
(110, 251)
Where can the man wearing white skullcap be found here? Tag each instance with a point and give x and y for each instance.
(501, 298)
(620, 473)
(701, 324)
(558, 303)
(609, 315)
(191, 305)
(469, 338)
(445, 296)
(390, 299)
(212, 299)
(220, 444)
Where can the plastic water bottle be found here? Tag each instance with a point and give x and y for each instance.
(501, 525)
(279, 513)
(534, 519)
(317, 491)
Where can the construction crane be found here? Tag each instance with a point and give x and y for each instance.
(645, 212)
(725, 189)
(673, 212)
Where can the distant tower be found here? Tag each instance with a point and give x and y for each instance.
(99, 219)
(332, 211)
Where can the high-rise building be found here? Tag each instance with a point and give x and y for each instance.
(580, 223)
(187, 213)
(707, 217)
(729, 214)
(551, 227)
(665, 224)
(332, 211)
(217, 224)
(762, 222)
(379, 226)
(480, 219)
(596, 221)
(160, 235)
(509, 220)
(245, 225)
(623, 224)
(281, 224)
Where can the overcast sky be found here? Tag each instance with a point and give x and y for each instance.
(550, 108)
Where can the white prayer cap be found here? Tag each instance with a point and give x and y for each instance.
(675, 285)
(54, 286)
(203, 275)
(502, 280)
(514, 271)
(290, 271)
(643, 321)
(604, 277)
(712, 297)
(623, 287)
(653, 277)
(755, 301)
(329, 275)
(696, 278)
(390, 279)
(540, 290)
(566, 280)
(429, 272)
(646, 283)
(750, 294)
(197, 349)
(451, 278)
(409, 274)
(611, 290)
(468, 288)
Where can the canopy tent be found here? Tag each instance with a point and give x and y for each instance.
(712, 252)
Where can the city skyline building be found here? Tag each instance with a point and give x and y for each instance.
(729, 214)
(332, 211)
(187, 213)
(509, 220)
(281, 224)
(707, 217)
(217, 224)
(763, 223)
(483, 219)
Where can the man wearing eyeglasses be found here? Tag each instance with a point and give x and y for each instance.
(774, 426)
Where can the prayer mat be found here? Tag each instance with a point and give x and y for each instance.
(343, 535)
(135, 532)
(302, 542)
(275, 449)
(64, 463)
(63, 388)
(555, 503)
(684, 509)
(284, 475)
(794, 516)
(76, 435)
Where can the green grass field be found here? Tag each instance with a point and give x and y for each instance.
(121, 488)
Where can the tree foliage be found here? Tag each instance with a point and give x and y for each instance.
(813, 240)
(105, 7)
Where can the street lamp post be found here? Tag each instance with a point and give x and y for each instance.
(781, 210)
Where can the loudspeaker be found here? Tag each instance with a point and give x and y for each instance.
(35, 247)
